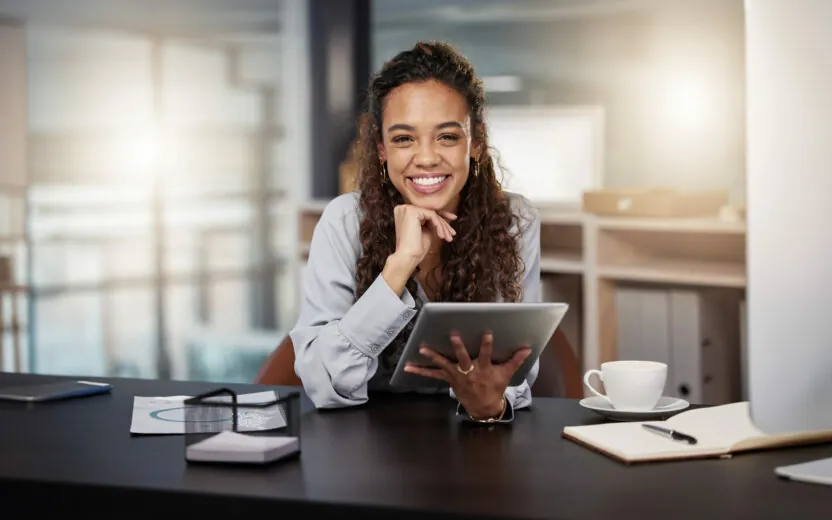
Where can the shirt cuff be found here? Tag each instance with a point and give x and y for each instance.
(377, 317)
(519, 396)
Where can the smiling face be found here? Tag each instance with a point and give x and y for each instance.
(427, 143)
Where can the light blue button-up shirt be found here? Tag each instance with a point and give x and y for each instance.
(338, 337)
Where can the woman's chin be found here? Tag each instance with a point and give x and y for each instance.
(437, 202)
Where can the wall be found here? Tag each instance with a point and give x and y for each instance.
(669, 75)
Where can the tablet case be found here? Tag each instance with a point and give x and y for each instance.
(512, 324)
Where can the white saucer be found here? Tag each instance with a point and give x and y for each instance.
(665, 407)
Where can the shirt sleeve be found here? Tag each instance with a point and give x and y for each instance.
(337, 339)
(521, 396)
(518, 397)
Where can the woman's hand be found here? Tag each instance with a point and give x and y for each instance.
(481, 391)
(415, 228)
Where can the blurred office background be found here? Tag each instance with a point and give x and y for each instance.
(153, 155)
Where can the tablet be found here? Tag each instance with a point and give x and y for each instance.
(512, 324)
(53, 391)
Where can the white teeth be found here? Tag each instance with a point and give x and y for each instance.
(428, 181)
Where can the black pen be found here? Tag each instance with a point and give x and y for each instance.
(670, 434)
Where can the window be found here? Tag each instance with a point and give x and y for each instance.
(159, 205)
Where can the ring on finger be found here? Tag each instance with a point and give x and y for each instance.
(466, 371)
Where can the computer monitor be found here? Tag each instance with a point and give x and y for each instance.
(789, 201)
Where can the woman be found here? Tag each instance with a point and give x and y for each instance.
(430, 222)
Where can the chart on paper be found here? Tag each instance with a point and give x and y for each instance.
(169, 415)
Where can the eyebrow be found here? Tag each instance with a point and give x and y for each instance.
(410, 128)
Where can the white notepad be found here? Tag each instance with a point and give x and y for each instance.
(721, 431)
(237, 447)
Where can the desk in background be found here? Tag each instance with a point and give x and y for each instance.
(403, 456)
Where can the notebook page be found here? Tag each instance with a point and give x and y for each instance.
(729, 424)
(631, 442)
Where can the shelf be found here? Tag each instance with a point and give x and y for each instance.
(578, 218)
(682, 272)
(547, 215)
(682, 225)
(550, 262)
(561, 262)
(561, 218)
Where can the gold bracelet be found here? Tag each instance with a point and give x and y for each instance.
(492, 419)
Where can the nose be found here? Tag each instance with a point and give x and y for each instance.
(426, 155)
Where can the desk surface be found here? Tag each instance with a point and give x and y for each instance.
(404, 454)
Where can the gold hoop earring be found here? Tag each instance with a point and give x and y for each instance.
(384, 173)
(475, 166)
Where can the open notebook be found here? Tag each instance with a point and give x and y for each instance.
(719, 430)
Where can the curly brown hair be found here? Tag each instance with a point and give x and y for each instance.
(484, 261)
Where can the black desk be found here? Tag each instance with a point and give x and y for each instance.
(404, 455)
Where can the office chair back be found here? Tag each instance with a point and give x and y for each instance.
(279, 368)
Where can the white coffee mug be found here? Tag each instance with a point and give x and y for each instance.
(630, 385)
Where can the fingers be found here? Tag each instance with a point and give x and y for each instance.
(450, 228)
(462, 357)
(438, 359)
(513, 364)
(439, 221)
(486, 347)
(439, 226)
(433, 373)
(442, 227)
